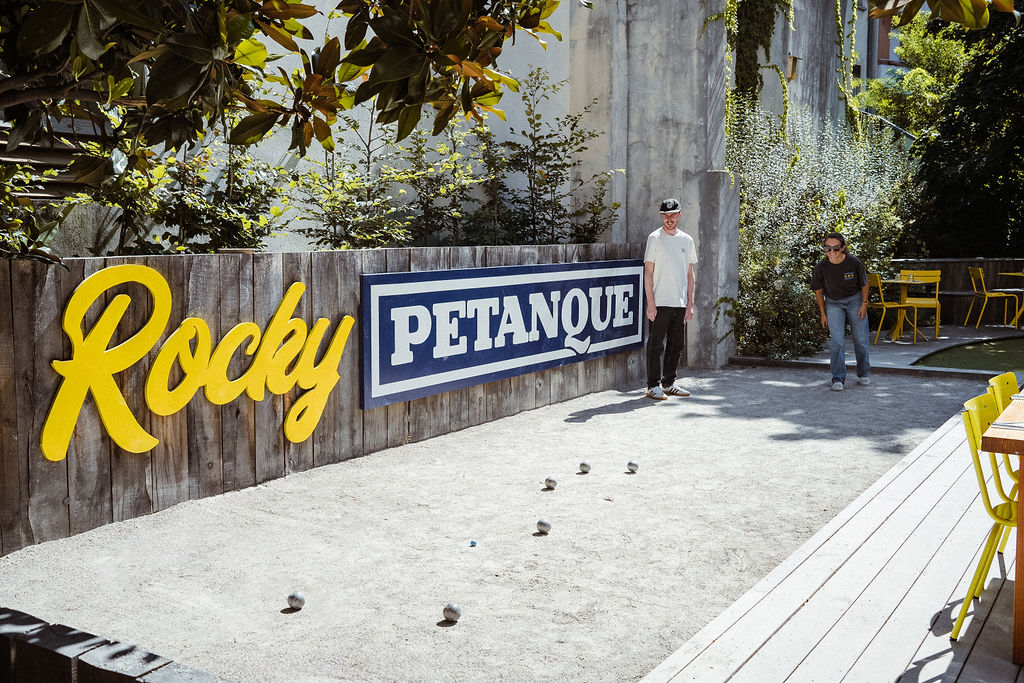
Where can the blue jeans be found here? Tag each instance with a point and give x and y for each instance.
(839, 312)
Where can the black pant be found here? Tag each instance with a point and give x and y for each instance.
(669, 323)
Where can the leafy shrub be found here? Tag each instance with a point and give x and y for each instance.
(797, 183)
(349, 198)
(200, 203)
(24, 226)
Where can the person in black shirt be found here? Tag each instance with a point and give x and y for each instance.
(840, 284)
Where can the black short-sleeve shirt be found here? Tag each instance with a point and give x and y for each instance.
(839, 280)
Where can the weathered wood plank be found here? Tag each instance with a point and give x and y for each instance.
(202, 300)
(90, 496)
(268, 289)
(466, 406)
(375, 421)
(429, 416)
(238, 418)
(546, 380)
(535, 391)
(170, 457)
(398, 413)
(296, 268)
(38, 338)
(503, 395)
(131, 473)
(335, 280)
(14, 528)
(566, 385)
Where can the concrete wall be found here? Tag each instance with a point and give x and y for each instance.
(813, 40)
(659, 78)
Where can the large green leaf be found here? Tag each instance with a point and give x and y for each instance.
(394, 31)
(368, 55)
(191, 46)
(251, 52)
(407, 121)
(45, 29)
(252, 128)
(89, 31)
(128, 13)
(239, 28)
(355, 31)
(397, 65)
(328, 58)
(88, 169)
(171, 77)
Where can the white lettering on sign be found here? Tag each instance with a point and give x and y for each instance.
(501, 321)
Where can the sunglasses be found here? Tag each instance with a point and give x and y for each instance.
(833, 248)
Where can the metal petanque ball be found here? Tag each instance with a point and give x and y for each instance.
(550, 482)
(452, 612)
(632, 465)
(584, 467)
(543, 526)
(296, 600)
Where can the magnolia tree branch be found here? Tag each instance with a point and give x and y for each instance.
(50, 92)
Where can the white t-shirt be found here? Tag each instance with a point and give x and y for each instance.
(672, 256)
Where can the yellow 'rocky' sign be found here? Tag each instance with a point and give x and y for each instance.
(282, 356)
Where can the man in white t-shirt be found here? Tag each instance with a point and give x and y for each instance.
(668, 286)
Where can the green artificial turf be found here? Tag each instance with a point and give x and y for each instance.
(997, 355)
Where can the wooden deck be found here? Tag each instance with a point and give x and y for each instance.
(872, 596)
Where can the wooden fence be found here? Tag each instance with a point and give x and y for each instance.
(955, 292)
(207, 449)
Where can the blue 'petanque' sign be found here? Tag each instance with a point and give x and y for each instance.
(426, 333)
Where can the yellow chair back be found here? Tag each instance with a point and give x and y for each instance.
(1003, 387)
(979, 414)
(925, 277)
(977, 280)
(875, 282)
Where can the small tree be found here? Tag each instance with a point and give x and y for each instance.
(441, 176)
(549, 155)
(348, 199)
(936, 57)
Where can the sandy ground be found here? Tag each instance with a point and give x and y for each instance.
(731, 481)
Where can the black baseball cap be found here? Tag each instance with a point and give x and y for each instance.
(670, 206)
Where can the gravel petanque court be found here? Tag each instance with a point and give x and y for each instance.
(729, 483)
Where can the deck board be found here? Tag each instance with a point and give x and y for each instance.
(873, 594)
(920, 614)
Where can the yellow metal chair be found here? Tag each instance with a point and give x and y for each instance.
(875, 281)
(978, 414)
(927, 277)
(1003, 387)
(983, 293)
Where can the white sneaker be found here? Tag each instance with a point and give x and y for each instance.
(657, 393)
(837, 386)
(863, 380)
(676, 390)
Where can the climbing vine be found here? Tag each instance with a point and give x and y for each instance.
(847, 57)
(751, 34)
